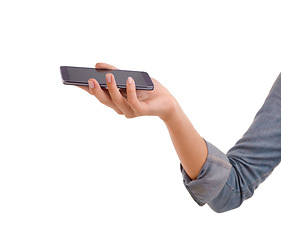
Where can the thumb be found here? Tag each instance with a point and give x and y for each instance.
(105, 66)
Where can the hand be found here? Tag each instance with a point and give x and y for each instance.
(131, 102)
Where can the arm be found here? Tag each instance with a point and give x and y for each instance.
(223, 181)
(199, 160)
(190, 147)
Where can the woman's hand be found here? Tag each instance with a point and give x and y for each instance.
(131, 102)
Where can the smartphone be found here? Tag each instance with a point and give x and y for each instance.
(81, 75)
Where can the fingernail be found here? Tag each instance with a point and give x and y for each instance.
(108, 78)
(91, 84)
(130, 80)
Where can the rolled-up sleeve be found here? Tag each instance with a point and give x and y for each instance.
(212, 177)
(226, 180)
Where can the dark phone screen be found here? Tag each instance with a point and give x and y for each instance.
(77, 74)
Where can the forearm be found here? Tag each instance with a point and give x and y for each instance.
(189, 145)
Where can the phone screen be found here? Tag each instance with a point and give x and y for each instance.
(81, 75)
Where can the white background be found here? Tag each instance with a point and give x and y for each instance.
(71, 168)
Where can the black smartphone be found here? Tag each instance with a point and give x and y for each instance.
(81, 75)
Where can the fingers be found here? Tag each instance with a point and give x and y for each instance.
(95, 89)
(105, 66)
(98, 65)
(116, 96)
(132, 96)
(113, 97)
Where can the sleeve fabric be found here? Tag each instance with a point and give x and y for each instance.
(226, 180)
(212, 176)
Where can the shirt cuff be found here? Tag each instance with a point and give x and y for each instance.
(212, 177)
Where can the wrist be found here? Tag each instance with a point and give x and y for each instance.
(174, 109)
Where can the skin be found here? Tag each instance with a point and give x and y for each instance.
(189, 145)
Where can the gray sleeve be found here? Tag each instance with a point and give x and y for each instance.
(212, 177)
(226, 180)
